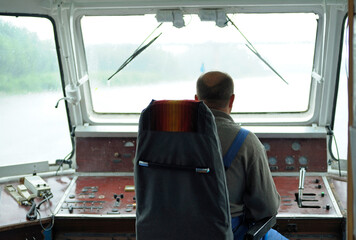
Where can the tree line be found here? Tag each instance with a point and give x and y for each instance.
(28, 64)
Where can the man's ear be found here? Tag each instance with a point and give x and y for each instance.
(196, 97)
(231, 101)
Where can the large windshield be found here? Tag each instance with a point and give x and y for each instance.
(275, 77)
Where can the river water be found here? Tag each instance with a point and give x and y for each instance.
(32, 129)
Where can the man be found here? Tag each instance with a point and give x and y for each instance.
(252, 192)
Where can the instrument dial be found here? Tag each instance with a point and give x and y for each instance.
(272, 161)
(303, 160)
(289, 160)
(267, 146)
(296, 146)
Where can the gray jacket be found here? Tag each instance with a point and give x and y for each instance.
(249, 180)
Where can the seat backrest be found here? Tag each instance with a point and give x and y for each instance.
(179, 174)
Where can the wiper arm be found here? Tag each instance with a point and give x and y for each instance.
(138, 50)
(265, 62)
(254, 50)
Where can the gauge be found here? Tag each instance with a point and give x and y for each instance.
(267, 146)
(296, 146)
(289, 160)
(129, 144)
(272, 161)
(303, 160)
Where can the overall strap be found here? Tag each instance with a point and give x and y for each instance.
(235, 147)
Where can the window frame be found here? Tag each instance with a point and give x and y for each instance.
(335, 155)
(43, 165)
(271, 119)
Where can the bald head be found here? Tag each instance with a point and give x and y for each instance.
(216, 89)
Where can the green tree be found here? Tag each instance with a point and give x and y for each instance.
(27, 64)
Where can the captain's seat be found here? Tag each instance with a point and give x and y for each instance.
(179, 174)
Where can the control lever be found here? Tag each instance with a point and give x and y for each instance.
(301, 186)
(300, 194)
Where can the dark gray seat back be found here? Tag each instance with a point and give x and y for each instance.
(179, 174)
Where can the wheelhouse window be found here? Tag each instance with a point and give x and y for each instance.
(270, 57)
(32, 129)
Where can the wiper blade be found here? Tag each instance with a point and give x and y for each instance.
(254, 50)
(138, 50)
(265, 62)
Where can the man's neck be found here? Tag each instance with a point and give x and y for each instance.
(226, 110)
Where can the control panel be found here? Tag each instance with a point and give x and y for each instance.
(114, 196)
(105, 196)
(284, 154)
(105, 154)
(315, 199)
(289, 155)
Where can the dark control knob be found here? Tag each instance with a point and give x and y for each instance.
(319, 186)
(317, 180)
(327, 207)
(115, 196)
(121, 195)
(70, 209)
(322, 194)
(118, 199)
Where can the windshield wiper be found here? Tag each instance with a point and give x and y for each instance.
(254, 50)
(138, 50)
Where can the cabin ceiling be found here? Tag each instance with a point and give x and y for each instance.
(43, 6)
